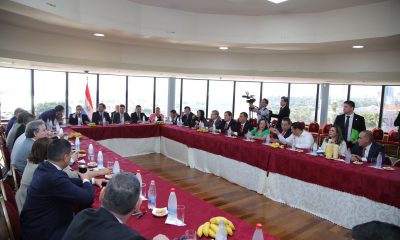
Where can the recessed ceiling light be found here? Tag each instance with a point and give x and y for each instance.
(358, 46)
(277, 1)
(223, 48)
(98, 34)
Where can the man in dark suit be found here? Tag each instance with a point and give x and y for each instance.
(78, 116)
(47, 211)
(119, 200)
(350, 123)
(286, 131)
(121, 117)
(397, 124)
(115, 111)
(215, 120)
(138, 116)
(227, 123)
(174, 117)
(100, 114)
(284, 111)
(243, 126)
(367, 149)
(53, 115)
(188, 117)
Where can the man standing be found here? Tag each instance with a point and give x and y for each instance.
(138, 116)
(243, 126)
(53, 115)
(350, 123)
(121, 117)
(78, 117)
(284, 111)
(262, 111)
(101, 114)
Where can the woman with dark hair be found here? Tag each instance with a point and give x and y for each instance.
(261, 131)
(335, 136)
(200, 118)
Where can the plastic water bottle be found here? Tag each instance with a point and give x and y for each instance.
(315, 147)
(116, 169)
(57, 128)
(347, 156)
(268, 139)
(294, 144)
(77, 144)
(91, 153)
(152, 195)
(221, 232)
(248, 136)
(172, 204)
(258, 234)
(139, 176)
(229, 132)
(104, 121)
(79, 121)
(379, 161)
(100, 160)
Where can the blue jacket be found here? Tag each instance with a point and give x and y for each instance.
(48, 115)
(47, 211)
(10, 124)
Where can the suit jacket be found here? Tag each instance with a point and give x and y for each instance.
(47, 211)
(247, 127)
(358, 124)
(283, 112)
(232, 124)
(217, 122)
(397, 121)
(48, 115)
(175, 120)
(99, 224)
(73, 119)
(96, 118)
(135, 118)
(374, 150)
(287, 133)
(117, 118)
(188, 120)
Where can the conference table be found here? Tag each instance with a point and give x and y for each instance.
(346, 194)
(197, 211)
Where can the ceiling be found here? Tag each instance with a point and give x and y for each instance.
(254, 7)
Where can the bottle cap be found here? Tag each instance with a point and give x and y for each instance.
(258, 226)
(138, 171)
(172, 189)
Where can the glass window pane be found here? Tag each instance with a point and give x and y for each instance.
(77, 89)
(273, 93)
(111, 91)
(220, 96)
(391, 107)
(178, 95)
(367, 100)
(162, 95)
(337, 95)
(18, 82)
(194, 94)
(240, 103)
(302, 102)
(49, 90)
(140, 92)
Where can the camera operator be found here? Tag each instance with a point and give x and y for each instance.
(262, 111)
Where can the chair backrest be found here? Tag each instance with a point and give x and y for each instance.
(5, 155)
(393, 135)
(10, 220)
(313, 127)
(8, 193)
(16, 177)
(396, 163)
(378, 133)
(326, 128)
(274, 123)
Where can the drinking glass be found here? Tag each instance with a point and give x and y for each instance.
(180, 212)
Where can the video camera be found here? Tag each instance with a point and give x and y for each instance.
(250, 100)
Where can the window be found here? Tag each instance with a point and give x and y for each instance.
(391, 107)
(178, 95)
(18, 82)
(220, 97)
(49, 90)
(162, 95)
(77, 88)
(194, 94)
(240, 103)
(367, 100)
(112, 90)
(302, 102)
(140, 90)
(337, 95)
(273, 93)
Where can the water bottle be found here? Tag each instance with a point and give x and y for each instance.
(347, 156)
(268, 139)
(294, 144)
(248, 136)
(100, 160)
(221, 232)
(172, 204)
(57, 128)
(152, 195)
(315, 148)
(104, 121)
(258, 234)
(139, 176)
(91, 153)
(116, 169)
(60, 133)
(77, 144)
(379, 161)
(229, 132)
(79, 121)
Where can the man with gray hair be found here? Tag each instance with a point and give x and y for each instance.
(11, 137)
(12, 120)
(118, 201)
(366, 149)
(23, 145)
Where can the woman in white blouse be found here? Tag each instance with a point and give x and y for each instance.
(335, 136)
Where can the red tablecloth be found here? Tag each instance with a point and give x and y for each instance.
(197, 211)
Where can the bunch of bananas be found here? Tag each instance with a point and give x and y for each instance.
(92, 124)
(159, 122)
(203, 130)
(276, 145)
(209, 229)
(74, 135)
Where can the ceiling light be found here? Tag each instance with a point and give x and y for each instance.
(98, 34)
(223, 48)
(358, 46)
(277, 1)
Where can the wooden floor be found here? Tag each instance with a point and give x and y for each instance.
(278, 219)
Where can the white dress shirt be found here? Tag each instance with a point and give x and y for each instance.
(367, 148)
(305, 140)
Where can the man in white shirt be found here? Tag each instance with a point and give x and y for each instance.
(262, 111)
(300, 138)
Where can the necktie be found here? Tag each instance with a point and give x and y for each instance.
(241, 128)
(283, 133)
(226, 125)
(346, 127)
(364, 150)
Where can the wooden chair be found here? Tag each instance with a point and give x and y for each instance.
(325, 131)
(378, 135)
(8, 194)
(16, 177)
(313, 128)
(393, 139)
(11, 216)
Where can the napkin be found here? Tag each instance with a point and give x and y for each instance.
(143, 197)
(81, 161)
(174, 221)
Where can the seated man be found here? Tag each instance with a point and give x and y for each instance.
(243, 125)
(115, 111)
(101, 114)
(48, 208)
(138, 116)
(174, 116)
(53, 115)
(188, 117)
(121, 116)
(367, 149)
(282, 136)
(300, 137)
(23, 145)
(157, 116)
(227, 123)
(118, 200)
(13, 119)
(11, 137)
(215, 120)
(78, 116)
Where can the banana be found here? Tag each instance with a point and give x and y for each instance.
(229, 230)
(216, 220)
(212, 233)
(206, 228)
(231, 225)
(200, 231)
(214, 227)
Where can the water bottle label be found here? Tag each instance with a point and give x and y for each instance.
(172, 211)
(152, 200)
